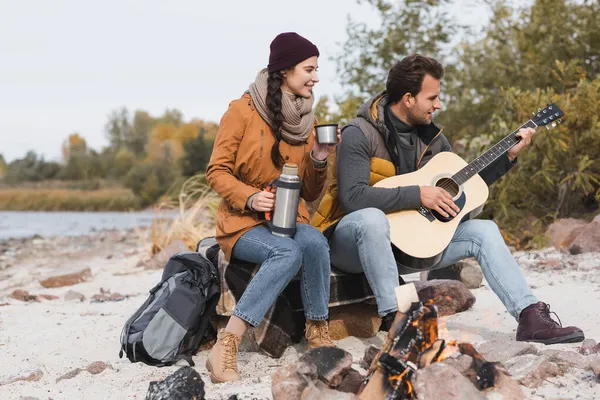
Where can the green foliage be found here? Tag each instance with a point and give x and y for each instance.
(407, 26)
(547, 51)
(150, 180)
(196, 154)
(2, 166)
(30, 168)
(559, 175)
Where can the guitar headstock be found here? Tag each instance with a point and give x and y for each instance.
(549, 116)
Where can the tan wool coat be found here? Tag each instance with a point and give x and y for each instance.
(240, 165)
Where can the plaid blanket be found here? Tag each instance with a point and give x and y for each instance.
(284, 322)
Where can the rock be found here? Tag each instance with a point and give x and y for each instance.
(466, 271)
(94, 368)
(566, 358)
(98, 366)
(358, 320)
(505, 388)
(23, 295)
(67, 279)
(107, 296)
(462, 363)
(71, 374)
(439, 381)
(351, 382)
(185, 383)
(248, 343)
(370, 353)
(30, 375)
(588, 240)
(159, 260)
(322, 392)
(48, 296)
(332, 363)
(449, 296)
(531, 370)
(289, 381)
(551, 264)
(564, 231)
(502, 351)
(594, 362)
(73, 295)
(588, 346)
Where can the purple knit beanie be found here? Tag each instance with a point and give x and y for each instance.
(288, 49)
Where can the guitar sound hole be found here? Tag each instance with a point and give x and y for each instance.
(449, 186)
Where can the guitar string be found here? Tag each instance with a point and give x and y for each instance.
(508, 139)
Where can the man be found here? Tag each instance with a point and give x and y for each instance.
(394, 134)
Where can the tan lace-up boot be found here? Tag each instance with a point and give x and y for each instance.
(317, 334)
(221, 361)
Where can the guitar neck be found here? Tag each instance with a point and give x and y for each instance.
(490, 155)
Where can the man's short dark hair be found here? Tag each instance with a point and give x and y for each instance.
(406, 76)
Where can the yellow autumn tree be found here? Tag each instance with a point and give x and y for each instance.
(73, 145)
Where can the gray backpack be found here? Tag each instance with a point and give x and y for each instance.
(175, 319)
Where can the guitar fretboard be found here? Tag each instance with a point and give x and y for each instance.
(490, 155)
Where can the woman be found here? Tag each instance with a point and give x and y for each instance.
(268, 126)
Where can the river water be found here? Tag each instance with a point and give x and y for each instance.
(19, 224)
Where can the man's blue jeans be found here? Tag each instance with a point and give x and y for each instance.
(361, 243)
(281, 259)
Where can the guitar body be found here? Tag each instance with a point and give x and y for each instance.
(420, 236)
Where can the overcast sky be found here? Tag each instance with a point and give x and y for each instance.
(65, 64)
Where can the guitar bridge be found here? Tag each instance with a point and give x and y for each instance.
(426, 213)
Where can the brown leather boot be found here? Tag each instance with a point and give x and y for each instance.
(221, 362)
(317, 334)
(536, 325)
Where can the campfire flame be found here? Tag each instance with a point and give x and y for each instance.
(416, 344)
(416, 340)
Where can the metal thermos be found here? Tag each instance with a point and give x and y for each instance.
(283, 222)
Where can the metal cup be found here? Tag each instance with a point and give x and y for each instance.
(327, 133)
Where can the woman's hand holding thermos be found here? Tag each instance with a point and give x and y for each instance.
(264, 201)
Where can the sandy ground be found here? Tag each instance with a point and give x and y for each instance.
(57, 336)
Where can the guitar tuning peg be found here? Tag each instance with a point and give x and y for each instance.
(560, 121)
(547, 128)
(554, 124)
(539, 109)
(533, 113)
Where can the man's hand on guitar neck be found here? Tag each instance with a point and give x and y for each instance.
(526, 134)
(436, 198)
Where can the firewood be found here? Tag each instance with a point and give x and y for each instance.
(487, 373)
(376, 385)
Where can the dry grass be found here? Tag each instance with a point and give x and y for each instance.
(195, 211)
(30, 199)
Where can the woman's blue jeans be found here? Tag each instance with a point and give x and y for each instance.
(281, 259)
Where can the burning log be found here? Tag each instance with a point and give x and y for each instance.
(486, 373)
(412, 343)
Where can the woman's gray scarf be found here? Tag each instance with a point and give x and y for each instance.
(298, 117)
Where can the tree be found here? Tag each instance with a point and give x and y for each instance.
(2, 166)
(407, 26)
(118, 128)
(30, 168)
(150, 180)
(137, 139)
(73, 145)
(196, 154)
(547, 51)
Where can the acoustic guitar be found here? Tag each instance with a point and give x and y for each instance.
(420, 236)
